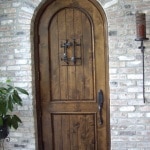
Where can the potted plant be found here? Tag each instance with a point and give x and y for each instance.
(9, 98)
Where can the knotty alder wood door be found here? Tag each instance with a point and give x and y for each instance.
(72, 65)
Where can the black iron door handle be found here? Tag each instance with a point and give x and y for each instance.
(100, 105)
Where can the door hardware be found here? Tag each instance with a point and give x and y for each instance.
(65, 45)
(100, 105)
(70, 46)
(74, 58)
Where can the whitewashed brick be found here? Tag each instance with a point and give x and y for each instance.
(10, 10)
(125, 68)
(127, 96)
(113, 96)
(113, 108)
(5, 22)
(25, 67)
(135, 115)
(117, 64)
(127, 108)
(147, 115)
(3, 68)
(13, 68)
(23, 107)
(7, 39)
(126, 58)
(114, 76)
(23, 73)
(21, 50)
(111, 3)
(135, 89)
(27, 10)
(21, 62)
(5, 5)
(144, 108)
(113, 71)
(123, 76)
(136, 102)
(16, 4)
(24, 21)
(135, 76)
(119, 115)
(126, 84)
(147, 89)
(118, 102)
(134, 63)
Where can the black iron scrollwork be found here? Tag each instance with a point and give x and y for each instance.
(65, 45)
(72, 59)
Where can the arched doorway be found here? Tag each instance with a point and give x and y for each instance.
(71, 76)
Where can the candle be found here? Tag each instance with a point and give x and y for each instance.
(140, 26)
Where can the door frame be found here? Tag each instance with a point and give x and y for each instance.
(37, 73)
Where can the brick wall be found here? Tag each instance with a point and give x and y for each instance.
(16, 64)
(130, 117)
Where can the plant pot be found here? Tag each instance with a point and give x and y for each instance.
(4, 131)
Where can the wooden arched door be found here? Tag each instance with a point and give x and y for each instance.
(72, 78)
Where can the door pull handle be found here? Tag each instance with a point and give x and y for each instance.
(100, 105)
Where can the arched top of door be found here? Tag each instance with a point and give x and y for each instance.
(73, 4)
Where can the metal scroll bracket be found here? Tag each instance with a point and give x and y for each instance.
(100, 105)
(70, 55)
(142, 47)
(74, 58)
(65, 45)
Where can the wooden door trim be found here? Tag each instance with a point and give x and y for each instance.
(37, 72)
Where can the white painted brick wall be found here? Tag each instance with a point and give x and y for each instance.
(130, 117)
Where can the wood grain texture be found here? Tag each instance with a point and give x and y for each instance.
(71, 82)
(74, 132)
(63, 70)
(54, 63)
(78, 32)
(68, 92)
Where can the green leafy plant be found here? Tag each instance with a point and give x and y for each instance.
(9, 97)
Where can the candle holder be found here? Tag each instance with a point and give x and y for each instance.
(141, 36)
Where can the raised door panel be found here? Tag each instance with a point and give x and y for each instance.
(71, 80)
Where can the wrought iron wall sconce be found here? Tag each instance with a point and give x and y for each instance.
(141, 36)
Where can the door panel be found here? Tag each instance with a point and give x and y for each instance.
(72, 65)
(76, 131)
(71, 81)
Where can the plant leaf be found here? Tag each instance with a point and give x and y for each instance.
(8, 120)
(10, 104)
(12, 100)
(1, 121)
(17, 98)
(3, 107)
(17, 118)
(22, 90)
(14, 121)
(8, 81)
